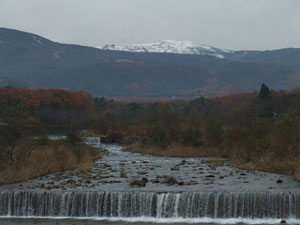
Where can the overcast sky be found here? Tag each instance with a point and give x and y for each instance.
(229, 24)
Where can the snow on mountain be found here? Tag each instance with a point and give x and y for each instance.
(170, 46)
(38, 40)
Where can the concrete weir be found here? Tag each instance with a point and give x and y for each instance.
(151, 204)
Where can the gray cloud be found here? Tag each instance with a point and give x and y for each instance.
(230, 24)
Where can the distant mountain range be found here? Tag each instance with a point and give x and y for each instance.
(167, 68)
(170, 46)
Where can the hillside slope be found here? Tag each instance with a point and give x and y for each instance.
(33, 61)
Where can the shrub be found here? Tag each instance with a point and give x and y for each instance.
(136, 182)
(73, 138)
(170, 180)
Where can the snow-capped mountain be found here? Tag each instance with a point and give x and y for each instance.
(170, 46)
(127, 74)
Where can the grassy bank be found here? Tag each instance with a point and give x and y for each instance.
(267, 163)
(289, 167)
(34, 159)
(174, 151)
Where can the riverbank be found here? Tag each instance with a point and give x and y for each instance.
(117, 168)
(265, 163)
(38, 159)
(177, 151)
(287, 167)
(200, 191)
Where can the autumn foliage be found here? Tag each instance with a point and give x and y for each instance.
(258, 130)
(48, 98)
(23, 115)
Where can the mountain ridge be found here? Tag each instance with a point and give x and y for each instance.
(33, 61)
(170, 46)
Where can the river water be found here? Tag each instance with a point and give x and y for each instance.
(135, 221)
(203, 191)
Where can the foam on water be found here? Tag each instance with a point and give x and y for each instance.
(204, 220)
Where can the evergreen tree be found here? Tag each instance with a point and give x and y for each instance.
(264, 91)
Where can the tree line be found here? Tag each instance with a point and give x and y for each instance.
(255, 130)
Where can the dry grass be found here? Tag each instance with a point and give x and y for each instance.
(175, 150)
(51, 158)
(296, 174)
(215, 162)
(88, 133)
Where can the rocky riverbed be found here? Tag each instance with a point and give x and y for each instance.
(121, 170)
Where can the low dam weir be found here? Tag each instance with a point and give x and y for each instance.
(150, 204)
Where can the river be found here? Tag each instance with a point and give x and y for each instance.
(181, 191)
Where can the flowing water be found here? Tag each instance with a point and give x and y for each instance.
(205, 191)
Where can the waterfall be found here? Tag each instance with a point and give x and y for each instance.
(151, 204)
(93, 141)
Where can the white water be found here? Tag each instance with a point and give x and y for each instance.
(151, 204)
(204, 220)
